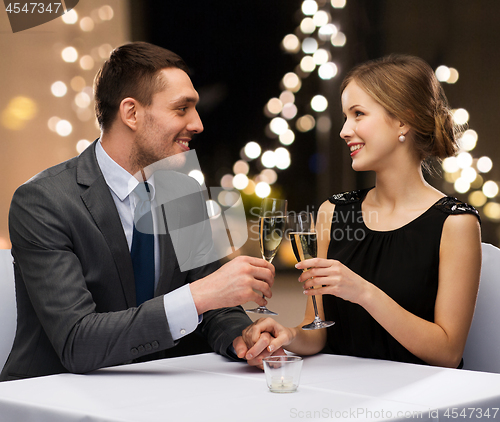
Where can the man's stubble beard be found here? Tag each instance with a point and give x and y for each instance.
(141, 157)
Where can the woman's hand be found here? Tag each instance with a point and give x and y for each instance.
(328, 276)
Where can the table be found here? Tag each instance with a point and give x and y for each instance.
(210, 388)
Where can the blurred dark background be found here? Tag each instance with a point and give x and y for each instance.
(233, 49)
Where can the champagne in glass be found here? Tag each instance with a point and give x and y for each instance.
(305, 246)
(271, 231)
(272, 224)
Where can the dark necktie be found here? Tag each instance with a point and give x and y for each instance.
(142, 251)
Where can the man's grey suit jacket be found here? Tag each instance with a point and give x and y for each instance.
(74, 280)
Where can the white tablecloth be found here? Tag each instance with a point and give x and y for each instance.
(210, 388)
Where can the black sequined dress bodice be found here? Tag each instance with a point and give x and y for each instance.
(403, 263)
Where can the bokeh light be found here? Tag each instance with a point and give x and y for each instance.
(269, 176)
(460, 116)
(268, 159)
(443, 73)
(484, 164)
(106, 13)
(240, 181)
(278, 125)
(287, 138)
(69, 54)
(291, 43)
(250, 189)
(82, 99)
(287, 97)
(450, 164)
(309, 7)
(492, 211)
(468, 140)
(63, 128)
(291, 82)
(252, 150)
(86, 24)
(327, 71)
(461, 185)
(469, 174)
(339, 39)
(18, 112)
(52, 122)
(319, 103)
(490, 189)
(453, 76)
(309, 45)
(289, 111)
(307, 26)
(464, 159)
(321, 56)
(274, 106)
(326, 32)
(226, 181)
(338, 4)
(70, 17)
(241, 167)
(86, 62)
(282, 158)
(307, 64)
(477, 198)
(321, 18)
(262, 190)
(305, 123)
(82, 145)
(197, 175)
(59, 89)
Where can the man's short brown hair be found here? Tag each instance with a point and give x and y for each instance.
(132, 70)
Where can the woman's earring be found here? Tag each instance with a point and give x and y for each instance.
(402, 138)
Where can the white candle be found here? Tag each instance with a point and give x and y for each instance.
(282, 384)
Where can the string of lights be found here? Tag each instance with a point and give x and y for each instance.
(80, 86)
(464, 173)
(312, 44)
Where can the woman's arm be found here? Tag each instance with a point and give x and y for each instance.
(293, 339)
(440, 342)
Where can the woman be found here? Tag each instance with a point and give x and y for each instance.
(398, 265)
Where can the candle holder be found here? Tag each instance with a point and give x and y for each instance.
(282, 373)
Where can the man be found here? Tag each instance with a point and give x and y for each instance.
(72, 230)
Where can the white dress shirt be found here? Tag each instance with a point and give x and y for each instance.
(180, 309)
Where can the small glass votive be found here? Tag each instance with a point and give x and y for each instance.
(282, 373)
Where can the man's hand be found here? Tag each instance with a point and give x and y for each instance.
(241, 280)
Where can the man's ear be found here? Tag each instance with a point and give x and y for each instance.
(128, 112)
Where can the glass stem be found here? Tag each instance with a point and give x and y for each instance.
(315, 306)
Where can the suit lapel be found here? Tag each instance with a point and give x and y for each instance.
(99, 202)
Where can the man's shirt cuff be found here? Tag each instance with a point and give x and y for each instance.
(181, 312)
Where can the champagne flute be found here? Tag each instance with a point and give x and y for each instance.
(272, 219)
(303, 238)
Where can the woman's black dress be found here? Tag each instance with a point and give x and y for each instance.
(404, 263)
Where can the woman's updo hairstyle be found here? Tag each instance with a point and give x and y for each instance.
(408, 89)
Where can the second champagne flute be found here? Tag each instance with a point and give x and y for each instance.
(272, 220)
(303, 238)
